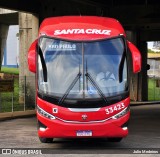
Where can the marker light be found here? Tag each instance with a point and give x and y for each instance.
(42, 129)
(122, 113)
(124, 128)
(45, 114)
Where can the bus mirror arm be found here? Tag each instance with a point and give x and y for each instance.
(120, 71)
(136, 57)
(34, 48)
(44, 67)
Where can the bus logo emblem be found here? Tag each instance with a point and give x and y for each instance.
(84, 117)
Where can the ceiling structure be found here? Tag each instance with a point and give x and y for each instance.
(143, 15)
(9, 18)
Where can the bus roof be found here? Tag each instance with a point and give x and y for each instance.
(81, 27)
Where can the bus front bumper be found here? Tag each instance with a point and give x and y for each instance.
(59, 129)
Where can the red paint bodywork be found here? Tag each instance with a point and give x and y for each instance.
(66, 114)
(49, 25)
(69, 122)
(32, 57)
(57, 128)
(136, 57)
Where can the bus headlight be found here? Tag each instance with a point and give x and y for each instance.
(45, 114)
(122, 113)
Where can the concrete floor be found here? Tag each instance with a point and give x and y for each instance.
(144, 132)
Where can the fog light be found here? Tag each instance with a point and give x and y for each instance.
(42, 129)
(124, 128)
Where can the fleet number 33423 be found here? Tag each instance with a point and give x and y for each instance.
(115, 108)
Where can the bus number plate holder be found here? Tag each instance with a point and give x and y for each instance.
(84, 133)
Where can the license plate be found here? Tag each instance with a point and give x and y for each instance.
(84, 133)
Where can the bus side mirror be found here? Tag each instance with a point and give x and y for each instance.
(32, 56)
(136, 57)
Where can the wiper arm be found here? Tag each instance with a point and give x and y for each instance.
(96, 86)
(69, 88)
(43, 64)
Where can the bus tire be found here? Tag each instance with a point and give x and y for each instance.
(118, 139)
(46, 140)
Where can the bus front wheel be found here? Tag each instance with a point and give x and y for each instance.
(46, 140)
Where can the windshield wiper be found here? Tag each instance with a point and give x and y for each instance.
(69, 88)
(43, 64)
(89, 77)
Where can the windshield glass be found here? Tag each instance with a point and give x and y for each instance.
(82, 70)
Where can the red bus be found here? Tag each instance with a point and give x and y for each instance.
(82, 73)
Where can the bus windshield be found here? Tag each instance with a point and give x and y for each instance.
(82, 70)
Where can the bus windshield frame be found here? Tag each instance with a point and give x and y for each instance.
(82, 73)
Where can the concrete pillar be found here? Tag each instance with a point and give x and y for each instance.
(139, 82)
(35, 27)
(28, 32)
(3, 37)
(143, 79)
(25, 39)
(132, 36)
